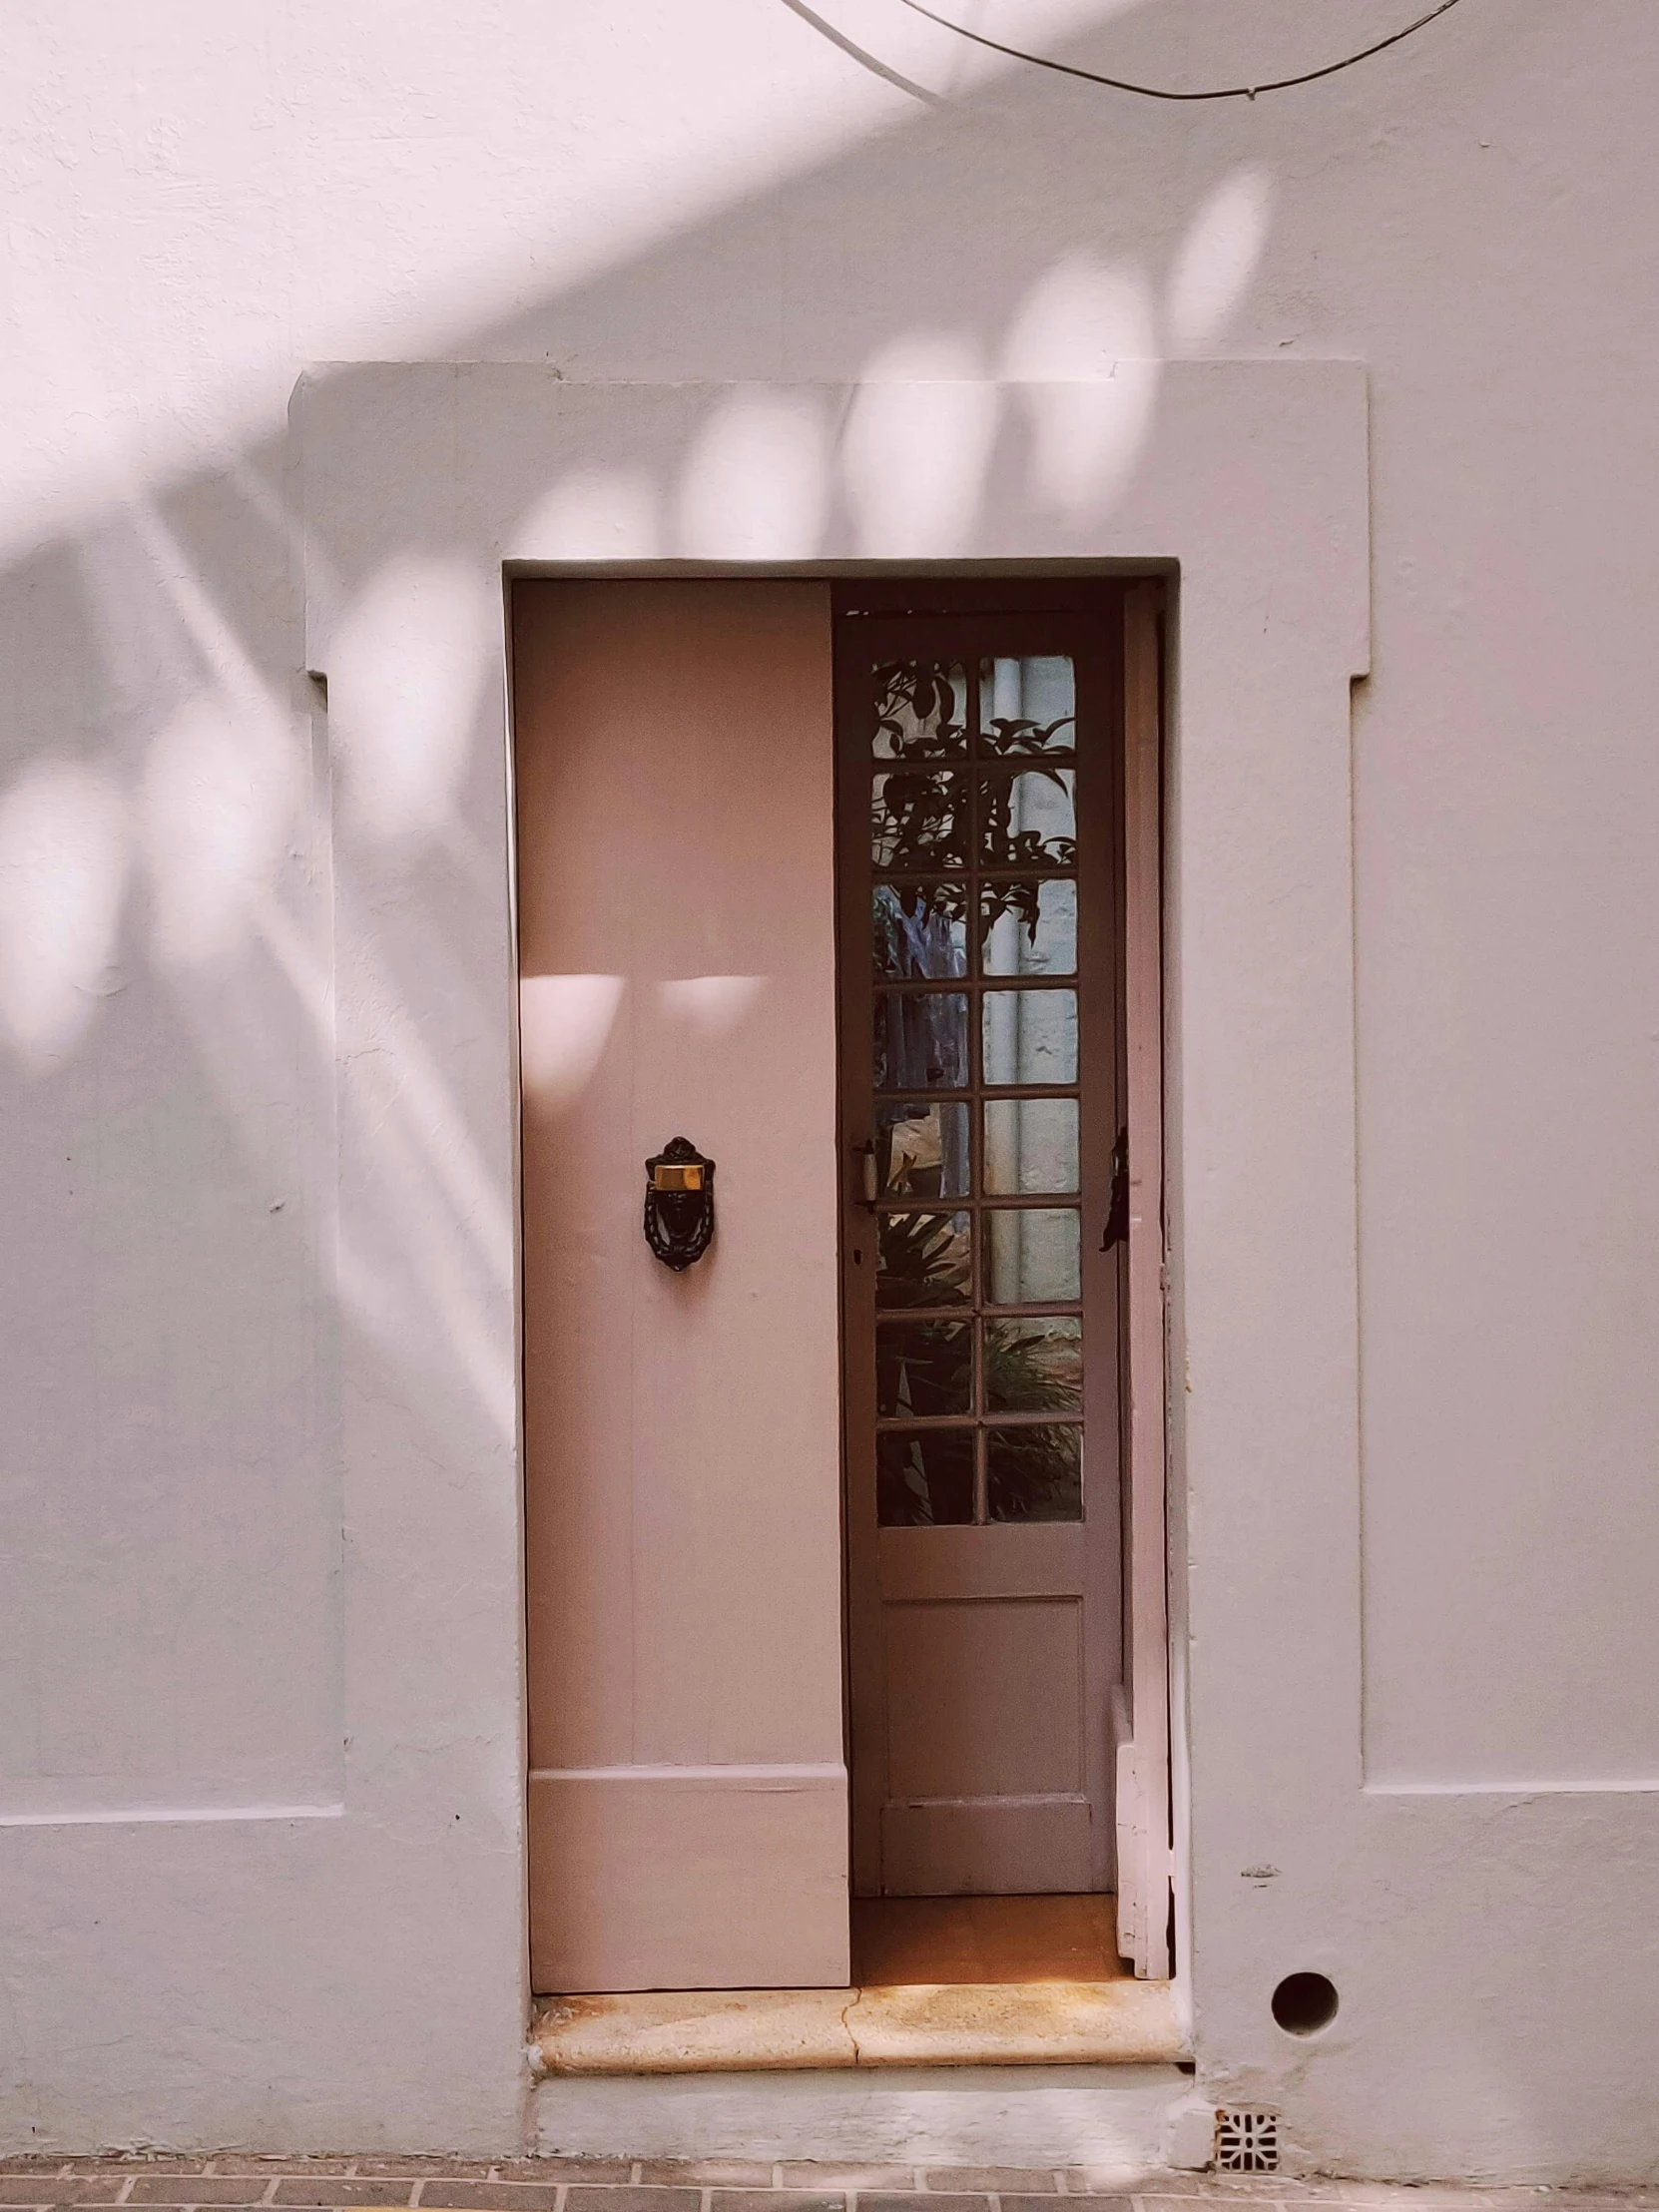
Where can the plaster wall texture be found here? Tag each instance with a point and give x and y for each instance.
(261, 1730)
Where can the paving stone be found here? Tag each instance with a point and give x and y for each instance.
(562, 2169)
(1090, 2181)
(936, 2203)
(355, 2190)
(147, 2162)
(410, 2169)
(786, 2200)
(709, 2173)
(261, 2162)
(489, 2196)
(1087, 2203)
(198, 2188)
(799, 2173)
(416, 2169)
(1028, 2180)
(626, 2199)
(47, 2185)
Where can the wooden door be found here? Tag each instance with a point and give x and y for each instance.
(980, 794)
(675, 784)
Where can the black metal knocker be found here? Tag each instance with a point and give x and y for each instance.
(679, 1202)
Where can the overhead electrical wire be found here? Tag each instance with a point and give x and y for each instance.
(1162, 92)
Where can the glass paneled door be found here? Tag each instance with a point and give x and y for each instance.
(978, 774)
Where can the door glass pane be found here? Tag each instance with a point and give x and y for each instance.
(920, 709)
(919, 931)
(1029, 928)
(923, 1260)
(1031, 1256)
(921, 1041)
(923, 1367)
(1034, 1367)
(918, 818)
(1029, 820)
(925, 1479)
(1027, 705)
(1030, 1036)
(921, 1151)
(1034, 1473)
(1030, 1146)
(975, 896)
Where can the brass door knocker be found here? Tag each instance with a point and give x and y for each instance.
(679, 1202)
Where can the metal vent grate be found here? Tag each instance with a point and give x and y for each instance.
(1247, 2142)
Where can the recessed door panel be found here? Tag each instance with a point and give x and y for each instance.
(962, 1720)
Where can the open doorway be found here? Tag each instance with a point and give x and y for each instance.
(679, 866)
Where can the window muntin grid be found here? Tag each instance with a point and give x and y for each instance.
(978, 1101)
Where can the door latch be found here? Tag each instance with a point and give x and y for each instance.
(865, 1154)
(1117, 1219)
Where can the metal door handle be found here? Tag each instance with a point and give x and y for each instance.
(865, 1154)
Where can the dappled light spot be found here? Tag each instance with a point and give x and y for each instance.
(592, 514)
(1082, 345)
(1218, 257)
(564, 1024)
(218, 800)
(917, 446)
(1078, 321)
(757, 480)
(713, 1005)
(63, 867)
(412, 657)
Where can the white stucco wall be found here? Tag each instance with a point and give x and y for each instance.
(259, 1718)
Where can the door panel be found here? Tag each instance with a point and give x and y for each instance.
(1141, 1707)
(992, 1742)
(688, 1796)
(978, 773)
(988, 1847)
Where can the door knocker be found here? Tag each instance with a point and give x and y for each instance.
(679, 1202)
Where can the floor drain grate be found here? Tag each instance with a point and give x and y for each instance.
(1247, 2142)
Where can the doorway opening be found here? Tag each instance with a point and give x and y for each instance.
(998, 849)
(930, 1326)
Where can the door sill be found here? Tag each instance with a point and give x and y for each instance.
(964, 2024)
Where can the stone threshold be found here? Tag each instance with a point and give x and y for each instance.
(1017, 2023)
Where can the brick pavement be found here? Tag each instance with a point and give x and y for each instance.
(721, 2185)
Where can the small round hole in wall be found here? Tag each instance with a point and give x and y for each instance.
(1303, 2004)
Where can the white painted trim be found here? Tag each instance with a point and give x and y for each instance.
(1509, 1789)
(1250, 481)
(129, 1816)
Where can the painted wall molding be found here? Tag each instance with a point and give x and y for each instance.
(425, 485)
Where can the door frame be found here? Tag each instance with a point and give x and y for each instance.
(1249, 479)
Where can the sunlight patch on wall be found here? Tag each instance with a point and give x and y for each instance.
(418, 644)
(757, 480)
(595, 515)
(565, 1022)
(63, 867)
(917, 446)
(1083, 344)
(713, 1005)
(214, 813)
(1218, 257)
